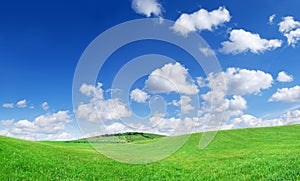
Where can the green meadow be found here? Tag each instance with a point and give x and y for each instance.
(271, 153)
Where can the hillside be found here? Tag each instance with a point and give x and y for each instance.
(245, 154)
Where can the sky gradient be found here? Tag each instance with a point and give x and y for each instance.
(256, 43)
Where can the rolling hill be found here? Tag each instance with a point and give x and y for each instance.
(271, 153)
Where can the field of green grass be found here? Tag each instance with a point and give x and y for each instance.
(245, 154)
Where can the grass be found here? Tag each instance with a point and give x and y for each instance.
(245, 154)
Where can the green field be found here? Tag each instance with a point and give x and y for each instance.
(245, 154)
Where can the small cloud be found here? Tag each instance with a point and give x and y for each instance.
(6, 122)
(284, 77)
(241, 41)
(8, 105)
(147, 7)
(271, 18)
(45, 106)
(287, 95)
(201, 20)
(207, 51)
(139, 96)
(171, 78)
(21, 103)
(290, 29)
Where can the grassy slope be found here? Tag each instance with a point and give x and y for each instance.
(246, 154)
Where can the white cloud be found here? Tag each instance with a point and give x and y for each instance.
(241, 81)
(201, 20)
(291, 117)
(284, 77)
(45, 106)
(248, 121)
(21, 103)
(288, 24)
(207, 51)
(42, 125)
(61, 137)
(6, 122)
(8, 105)
(5, 132)
(290, 29)
(147, 7)
(287, 94)
(139, 95)
(271, 18)
(184, 103)
(99, 109)
(171, 78)
(242, 41)
(102, 110)
(90, 90)
(117, 128)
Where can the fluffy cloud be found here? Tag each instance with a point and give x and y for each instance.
(5, 132)
(45, 106)
(100, 109)
(21, 103)
(242, 41)
(184, 103)
(60, 137)
(6, 122)
(201, 20)
(90, 90)
(241, 81)
(207, 52)
(287, 94)
(42, 125)
(139, 96)
(290, 29)
(284, 77)
(271, 18)
(171, 78)
(147, 7)
(248, 121)
(8, 105)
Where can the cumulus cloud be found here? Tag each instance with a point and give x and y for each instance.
(61, 137)
(45, 106)
(184, 103)
(241, 81)
(22, 103)
(287, 94)
(90, 90)
(6, 122)
(147, 7)
(42, 125)
(5, 132)
(248, 121)
(290, 29)
(207, 51)
(139, 95)
(241, 41)
(201, 20)
(8, 105)
(100, 109)
(271, 18)
(284, 77)
(171, 78)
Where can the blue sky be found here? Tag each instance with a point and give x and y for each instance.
(42, 42)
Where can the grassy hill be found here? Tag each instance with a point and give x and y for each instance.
(129, 137)
(245, 154)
